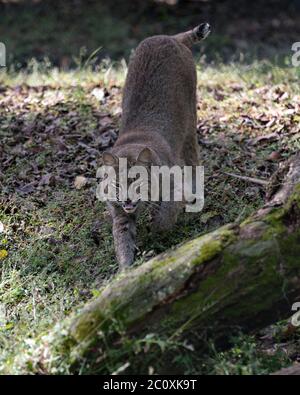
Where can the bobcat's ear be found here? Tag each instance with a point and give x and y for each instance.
(109, 159)
(145, 156)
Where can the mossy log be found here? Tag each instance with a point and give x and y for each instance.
(244, 275)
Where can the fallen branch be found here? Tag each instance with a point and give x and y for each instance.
(248, 179)
(291, 371)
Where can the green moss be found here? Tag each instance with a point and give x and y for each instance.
(295, 197)
(213, 245)
(208, 251)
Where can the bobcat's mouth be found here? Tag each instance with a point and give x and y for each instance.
(130, 207)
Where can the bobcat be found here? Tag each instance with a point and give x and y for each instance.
(158, 125)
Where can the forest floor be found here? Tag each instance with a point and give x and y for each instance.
(56, 247)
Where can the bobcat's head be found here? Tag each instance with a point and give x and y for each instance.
(135, 180)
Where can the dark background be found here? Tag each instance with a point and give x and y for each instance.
(68, 31)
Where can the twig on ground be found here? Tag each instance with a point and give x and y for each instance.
(249, 179)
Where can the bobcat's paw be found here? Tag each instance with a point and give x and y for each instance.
(127, 260)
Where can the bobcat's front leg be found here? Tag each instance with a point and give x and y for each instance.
(124, 232)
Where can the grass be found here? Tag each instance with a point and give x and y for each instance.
(58, 238)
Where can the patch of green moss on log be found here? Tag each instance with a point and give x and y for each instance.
(290, 251)
(211, 248)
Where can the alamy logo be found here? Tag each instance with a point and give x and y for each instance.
(296, 56)
(153, 184)
(2, 55)
(296, 317)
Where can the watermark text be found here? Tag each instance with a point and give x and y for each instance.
(2, 55)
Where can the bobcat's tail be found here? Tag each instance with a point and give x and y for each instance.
(195, 35)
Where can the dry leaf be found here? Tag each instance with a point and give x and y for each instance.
(3, 254)
(274, 156)
(99, 93)
(80, 182)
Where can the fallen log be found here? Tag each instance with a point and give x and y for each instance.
(291, 371)
(244, 275)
